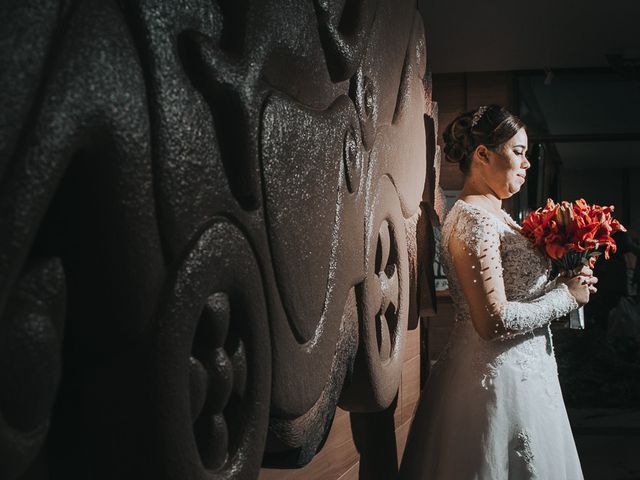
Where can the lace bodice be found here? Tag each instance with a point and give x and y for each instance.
(502, 281)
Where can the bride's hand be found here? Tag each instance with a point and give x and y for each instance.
(581, 285)
(591, 280)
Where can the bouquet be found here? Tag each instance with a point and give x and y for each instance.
(572, 235)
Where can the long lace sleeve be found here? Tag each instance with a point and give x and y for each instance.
(475, 252)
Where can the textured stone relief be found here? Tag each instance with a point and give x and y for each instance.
(210, 219)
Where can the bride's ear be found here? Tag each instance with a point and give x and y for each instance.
(481, 153)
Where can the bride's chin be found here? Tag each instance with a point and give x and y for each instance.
(513, 189)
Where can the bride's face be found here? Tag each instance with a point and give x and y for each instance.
(504, 169)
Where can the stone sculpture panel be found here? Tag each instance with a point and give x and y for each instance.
(209, 220)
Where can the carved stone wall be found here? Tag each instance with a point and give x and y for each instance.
(209, 213)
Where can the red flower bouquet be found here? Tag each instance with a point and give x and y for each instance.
(573, 235)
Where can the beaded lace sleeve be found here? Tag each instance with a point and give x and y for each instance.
(475, 252)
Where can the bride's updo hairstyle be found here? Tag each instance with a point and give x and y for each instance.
(490, 126)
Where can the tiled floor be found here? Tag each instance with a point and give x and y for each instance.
(608, 442)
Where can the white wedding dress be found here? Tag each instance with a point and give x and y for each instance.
(493, 409)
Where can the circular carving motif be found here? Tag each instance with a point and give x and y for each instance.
(214, 362)
(386, 271)
(384, 301)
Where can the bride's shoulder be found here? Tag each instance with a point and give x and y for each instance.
(465, 216)
(470, 225)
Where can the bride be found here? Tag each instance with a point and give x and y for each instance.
(492, 406)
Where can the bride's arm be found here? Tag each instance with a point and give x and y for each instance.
(475, 252)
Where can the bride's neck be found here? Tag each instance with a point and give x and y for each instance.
(480, 194)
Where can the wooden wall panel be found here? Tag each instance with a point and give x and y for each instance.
(450, 93)
(339, 459)
(439, 327)
(490, 87)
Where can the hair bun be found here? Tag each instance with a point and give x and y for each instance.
(454, 152)
(458, 142)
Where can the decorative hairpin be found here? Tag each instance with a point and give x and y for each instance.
(478, 115)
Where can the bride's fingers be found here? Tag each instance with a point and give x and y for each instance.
(586, 271)
(588, 280)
